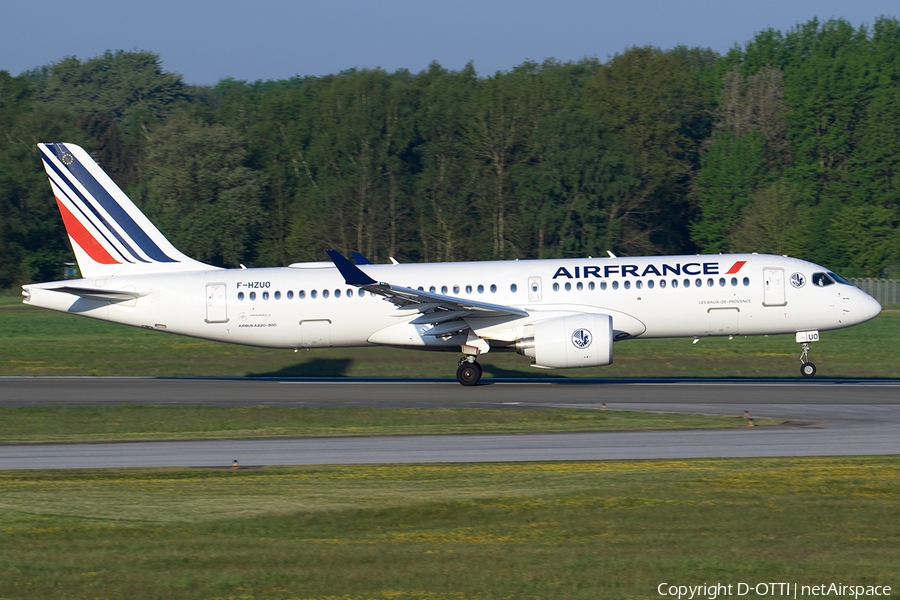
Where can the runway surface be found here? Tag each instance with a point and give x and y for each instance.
(824, 418)
(436, 393)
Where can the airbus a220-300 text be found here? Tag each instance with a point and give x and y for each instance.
(561, 313)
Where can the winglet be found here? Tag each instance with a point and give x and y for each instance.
(352, 274)
(360, 259)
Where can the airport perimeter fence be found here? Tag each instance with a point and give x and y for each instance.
(886, 291)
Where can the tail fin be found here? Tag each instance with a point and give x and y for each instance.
(109, 234)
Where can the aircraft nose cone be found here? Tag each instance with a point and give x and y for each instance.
(869, 307)
(864, 307)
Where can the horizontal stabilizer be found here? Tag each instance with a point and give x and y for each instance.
(98, 293)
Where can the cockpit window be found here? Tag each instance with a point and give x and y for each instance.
(838, 278)
(822, 279)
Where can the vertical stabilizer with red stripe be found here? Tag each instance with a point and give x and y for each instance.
(109, 234)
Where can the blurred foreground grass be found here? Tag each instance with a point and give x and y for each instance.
(570, 530)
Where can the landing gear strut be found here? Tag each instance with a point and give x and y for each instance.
(807, 369)
(469, 371)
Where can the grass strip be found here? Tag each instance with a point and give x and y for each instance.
(570, 530)
(38, 342)
(143, 422)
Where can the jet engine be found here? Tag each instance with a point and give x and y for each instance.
(579, 340)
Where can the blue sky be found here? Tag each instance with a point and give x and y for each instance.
(206, 41)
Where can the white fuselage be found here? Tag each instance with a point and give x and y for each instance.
(310, 305)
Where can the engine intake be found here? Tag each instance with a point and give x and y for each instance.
(583, 340)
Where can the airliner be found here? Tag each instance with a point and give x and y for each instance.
(560, 313)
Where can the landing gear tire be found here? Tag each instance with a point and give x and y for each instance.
(808, 369)
(469, 373)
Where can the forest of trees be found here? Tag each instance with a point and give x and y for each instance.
(788, 145)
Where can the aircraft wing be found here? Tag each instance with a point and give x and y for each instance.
(439, 307)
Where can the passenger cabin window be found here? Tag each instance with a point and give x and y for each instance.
(290, 295)
(443, 289)
(240, 295)
(278, 295)
(253, 295)
(513, 288)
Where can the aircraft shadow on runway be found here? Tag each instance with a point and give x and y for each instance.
(501, 373)
(317, 367)
(338, 367)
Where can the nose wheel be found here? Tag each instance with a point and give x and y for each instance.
(807, 369)
(469, 371)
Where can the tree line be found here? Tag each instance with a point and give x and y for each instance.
(789, 144)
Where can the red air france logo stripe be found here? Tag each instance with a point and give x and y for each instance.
(736, 267)
(83, 238)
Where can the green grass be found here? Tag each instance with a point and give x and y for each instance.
(42, 342)
(573, 530)
(133, 423)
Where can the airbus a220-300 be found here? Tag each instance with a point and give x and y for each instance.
(561, 313)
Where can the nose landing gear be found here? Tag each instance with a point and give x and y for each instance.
(807, 369)
(469, 371)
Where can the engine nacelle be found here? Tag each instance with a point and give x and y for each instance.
(583, 340)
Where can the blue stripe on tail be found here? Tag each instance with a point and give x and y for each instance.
(96, 214)
(110, 205)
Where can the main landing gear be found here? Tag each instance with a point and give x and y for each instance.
(807, 369)
(469, 371)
